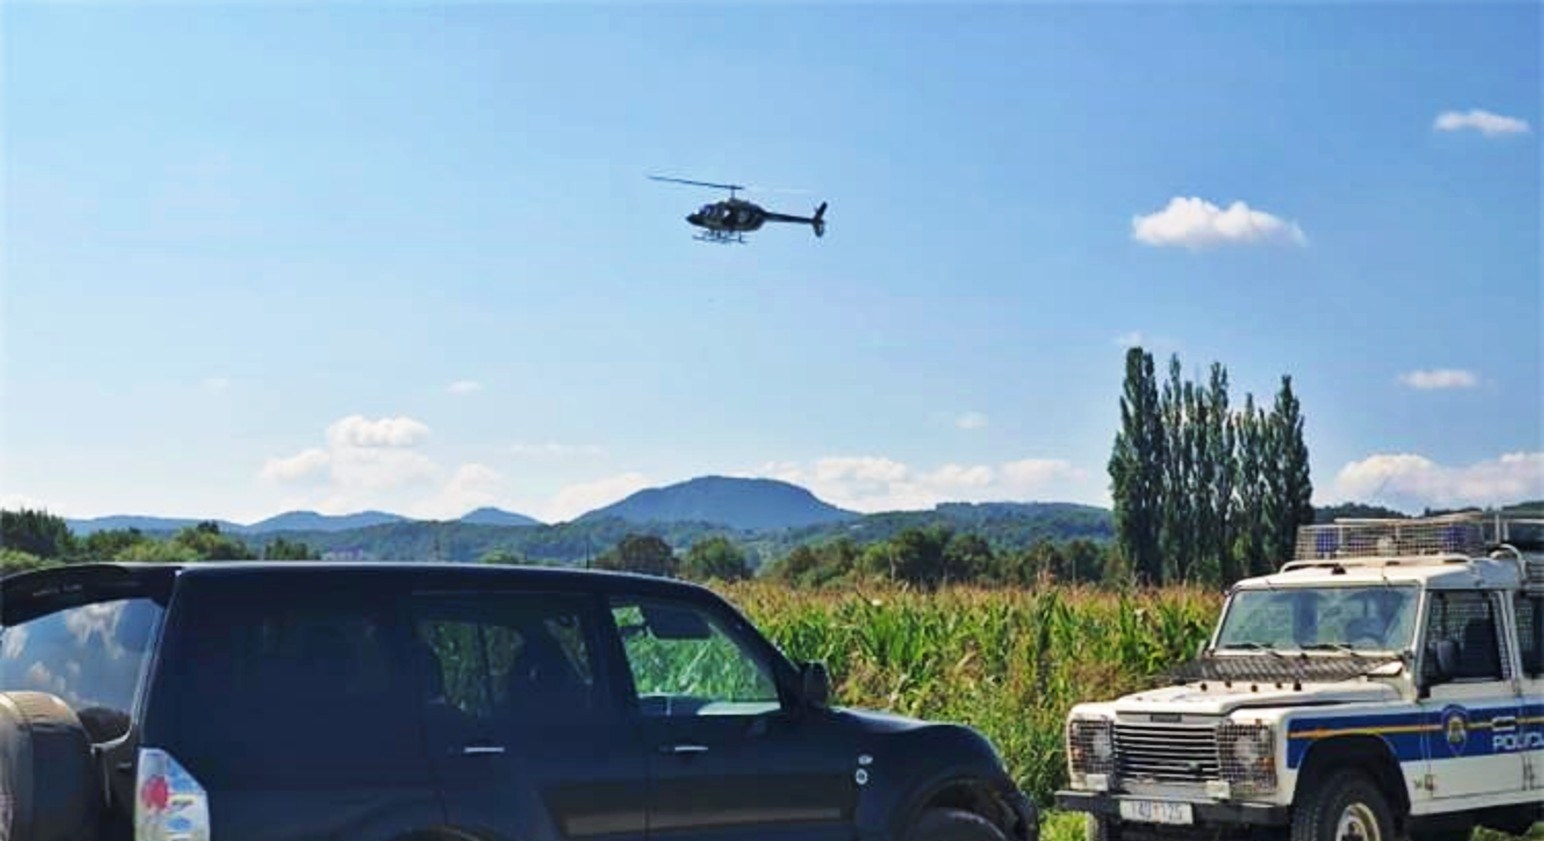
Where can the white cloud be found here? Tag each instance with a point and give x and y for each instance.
(365, 463)
(216, 385)
(1477, 119)
(472, 486)
(573, 500)
(463, 387)
(1196, 224)
(1439, 378)
(874, 483)
(1129, 340)
(1411, 481)
(552, 449)
(972, 421)
(359, 431)
(306, 464)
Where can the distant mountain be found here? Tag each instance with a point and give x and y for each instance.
(289, 521)
(312, 521)
(92, 525)
(742, 504)
(497, 517)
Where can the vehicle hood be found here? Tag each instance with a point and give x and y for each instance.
(1218, 699)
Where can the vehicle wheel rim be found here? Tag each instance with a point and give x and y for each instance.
(1358, 823)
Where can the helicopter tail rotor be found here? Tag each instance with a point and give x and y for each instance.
(819, 220)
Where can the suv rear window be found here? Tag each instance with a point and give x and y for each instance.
(281, 682)
(92, 656)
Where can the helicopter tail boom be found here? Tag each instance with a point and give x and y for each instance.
(818, 221)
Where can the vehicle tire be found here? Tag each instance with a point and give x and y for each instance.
(50, 788)
(954, 825)
(1346, 805)
(1102, 829)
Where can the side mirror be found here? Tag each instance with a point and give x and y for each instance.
(1444, 657)
(815, 685)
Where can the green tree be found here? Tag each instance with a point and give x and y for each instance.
(1250, 468)
(207, 543)
(967, 558)
(37, 533)
(715, 557)
(1289, 503)
(159, 552)
(641, 553)
(15, 560)
(107, 544)
(917, 556)
(1222, 442)
(502, 556)
(280, 549)
(1137, 470)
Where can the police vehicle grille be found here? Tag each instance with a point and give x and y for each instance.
(1166, 753)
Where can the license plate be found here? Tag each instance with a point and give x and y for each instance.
(1157, 811)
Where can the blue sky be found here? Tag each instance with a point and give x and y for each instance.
(406, 257)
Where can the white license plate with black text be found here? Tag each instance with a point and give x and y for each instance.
(1157, 811)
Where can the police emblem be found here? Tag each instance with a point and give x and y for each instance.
(1455, 723)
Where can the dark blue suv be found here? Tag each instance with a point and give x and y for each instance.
(364, 702)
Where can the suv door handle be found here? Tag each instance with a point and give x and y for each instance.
(683, 748)
(482, 750)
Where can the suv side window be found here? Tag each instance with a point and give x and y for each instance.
(1530, 633)
(1468, 619)
(685, 662)
(276, 687)
(498, 663)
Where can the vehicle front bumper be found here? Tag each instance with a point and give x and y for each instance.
(1209, 814)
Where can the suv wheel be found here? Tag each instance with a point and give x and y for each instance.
(954, 825)
(1346, 807)
(50, 788)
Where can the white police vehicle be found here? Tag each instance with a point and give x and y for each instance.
(1388, 683)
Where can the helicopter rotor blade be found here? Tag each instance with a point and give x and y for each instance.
(696, 183)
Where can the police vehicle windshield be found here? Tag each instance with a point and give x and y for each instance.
(1346, 619)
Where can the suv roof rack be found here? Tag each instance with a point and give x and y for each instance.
(1448, 538)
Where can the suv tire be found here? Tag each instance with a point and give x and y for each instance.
(954, 825)
(1348, 802)
(50, 788)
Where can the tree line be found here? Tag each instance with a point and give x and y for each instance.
(1204, 493)
(32, 539)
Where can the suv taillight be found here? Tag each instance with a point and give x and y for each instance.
(169, 805)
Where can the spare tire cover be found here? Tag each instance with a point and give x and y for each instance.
(50, 789)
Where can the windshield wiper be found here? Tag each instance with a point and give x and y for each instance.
(1253, 646)
(1333, 646)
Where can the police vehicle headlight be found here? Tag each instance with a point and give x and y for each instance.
(1090, 747)
(1248, 754)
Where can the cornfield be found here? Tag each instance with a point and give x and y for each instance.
(1008, 662)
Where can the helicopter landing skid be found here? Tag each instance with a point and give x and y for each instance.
(721, 237)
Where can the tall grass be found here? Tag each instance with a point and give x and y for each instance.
(1008, 662)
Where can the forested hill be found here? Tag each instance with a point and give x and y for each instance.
(1005, 525)
(739, 504)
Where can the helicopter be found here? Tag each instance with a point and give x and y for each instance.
(730, 219)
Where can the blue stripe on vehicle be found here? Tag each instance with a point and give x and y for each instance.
(1450, 733)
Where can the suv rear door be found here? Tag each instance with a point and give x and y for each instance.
(289, 696)
(523, 728)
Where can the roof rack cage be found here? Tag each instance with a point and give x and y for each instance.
(1470, 534)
